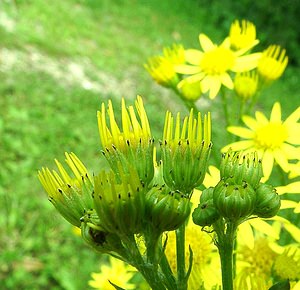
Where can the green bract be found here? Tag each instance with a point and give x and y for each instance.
(120, 205)
(205, 214)
(166, 210)
(241, 168)
(185, 151)
(267, 201)
(234, 201)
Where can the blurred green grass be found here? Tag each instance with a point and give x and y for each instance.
(58, 61)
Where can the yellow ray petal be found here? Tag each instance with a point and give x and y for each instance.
(267, 163)
(265, 228)
(241, 132)
(193, 56)
(205, 42)
(276, 113)
(246, 62)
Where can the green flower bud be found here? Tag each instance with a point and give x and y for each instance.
(120, 205)
(185, 154)
(99, 240)
(166, 210)
(267, 201)
(205, 214)
(207, 194)
(71, 195)
(234, 201)
(132, 146)
(241, 167)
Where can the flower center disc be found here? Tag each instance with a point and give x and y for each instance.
(217, 61)
(271, 136)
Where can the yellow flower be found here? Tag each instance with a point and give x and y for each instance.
(245, 84)
(254, 264)
(272, 63)
(273, 139)
(212, 65)
(162, 71)
(70, 195)
(134, 131)
(117, 272)
(161, 68)
(242, 34)
(287, 265)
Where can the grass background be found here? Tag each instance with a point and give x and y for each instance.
(58, 61)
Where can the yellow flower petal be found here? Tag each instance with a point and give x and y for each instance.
(276, 113)
(288, 204)
(241, 132)
(250, 122)
(187, 69)
(246, 62)
(240, 145)
(226, 80)
(294, 117)
(261, 118)
(281, 159)
(245, 235)
(293, 187)
(267, 163)
(205, 42)
(193, 56)
(265, 228)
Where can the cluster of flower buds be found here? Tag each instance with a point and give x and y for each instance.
(239, 194)
(138, 196)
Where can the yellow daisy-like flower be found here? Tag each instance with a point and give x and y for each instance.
(161, 68)
(242, 34)
(287, 265)
(272, 63)
(212, 65)
(272, 139)
(245, 84)
(117, 272)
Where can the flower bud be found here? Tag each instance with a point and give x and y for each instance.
(132, 146)
(166, 210)
(185, 152)
(99, 240)
(241, 168)
(120, 204)
(71, 195)
(267, 201)
(205, 214)
(234, 201)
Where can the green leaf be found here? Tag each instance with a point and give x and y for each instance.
(117, 287)
(283, 285)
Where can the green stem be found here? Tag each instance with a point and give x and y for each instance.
(225, 107)
(226, 246)
(180, 255)
(149, 270)
(188, 104)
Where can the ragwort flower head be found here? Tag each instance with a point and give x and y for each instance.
(130, 146)
(273, 139)
(71, 195)
(242, 34)
(245, 84)
(161, 68)
(272, 63)
(185, 151)
(212, 65)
